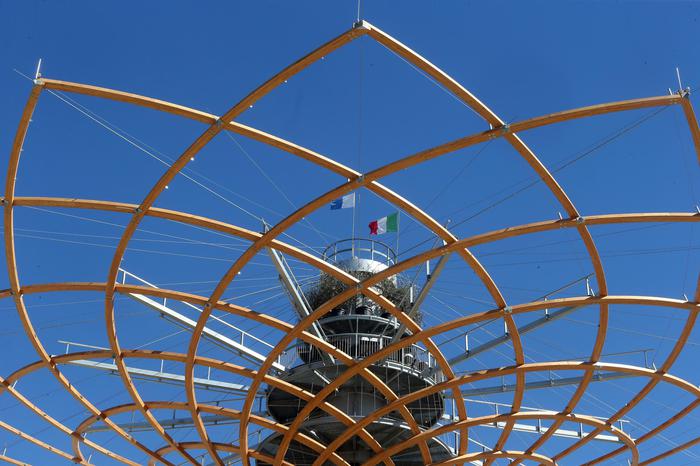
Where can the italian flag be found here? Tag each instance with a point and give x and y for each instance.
(384, 224)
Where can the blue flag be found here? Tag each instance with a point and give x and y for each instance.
(344, 202)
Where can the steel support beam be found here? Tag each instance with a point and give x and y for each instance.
(174, 423)
(550, 383)
(167, 377)
(296, 296)
(422, 295)
(565, 433)
(549, 317)
(211, 335)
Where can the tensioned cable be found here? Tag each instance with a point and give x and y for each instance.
(91, 301)
(60, 323)
(561, 167)
(275, 287)
(204, 177)
(598, 400)
(487, 322)
(190, 240)
(277, 188)
(623, 252)
(90, 377)
(176, 395)
(633, 332)
(443, 291)
(552, 374)
(464, 168)
(131, 139)
(693, 200)
(439, 86)
(141, 230)
(128, 138)
(658, 403)
(145, 240)
(150, 251)
(554, 243)
(184, 241)
(640, 252)
(161, 154)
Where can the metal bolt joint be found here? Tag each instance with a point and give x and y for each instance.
(361, 24)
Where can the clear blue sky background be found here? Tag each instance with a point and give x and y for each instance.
(364, 107)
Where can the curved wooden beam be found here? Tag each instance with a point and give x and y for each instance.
(177, 357)
(148, 202)
(13, 275)
(342, 170)
(8, 385)
(200, 300)
(665, 367)
(211, 409)
(542, 172)
(590, 367)
(692, 122)
(369, 182)
(639, 103)
(11, 460)
(199, 143)
(494, 455)
(672, 451)
(40, 443)
(494, 235)
(532, 124)
(466, 379)
(653, 432)
(506, 417)
(528, 368)
(226, 447)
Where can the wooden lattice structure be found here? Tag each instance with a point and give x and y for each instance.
(573, 219)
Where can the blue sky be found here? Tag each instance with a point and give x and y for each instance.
(364, 107)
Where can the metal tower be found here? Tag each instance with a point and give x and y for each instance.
(359, 327)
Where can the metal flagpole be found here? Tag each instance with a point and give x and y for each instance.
(354, 207)
(398, 217)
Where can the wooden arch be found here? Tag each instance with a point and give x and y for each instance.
(355, 180)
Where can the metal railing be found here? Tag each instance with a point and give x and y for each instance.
(361, 248)
(360, 345)
(242, 334)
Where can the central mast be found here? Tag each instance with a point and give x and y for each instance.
(359, 327)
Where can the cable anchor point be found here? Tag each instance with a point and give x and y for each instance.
(682, 91)
(37, 73)
(361, 24)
